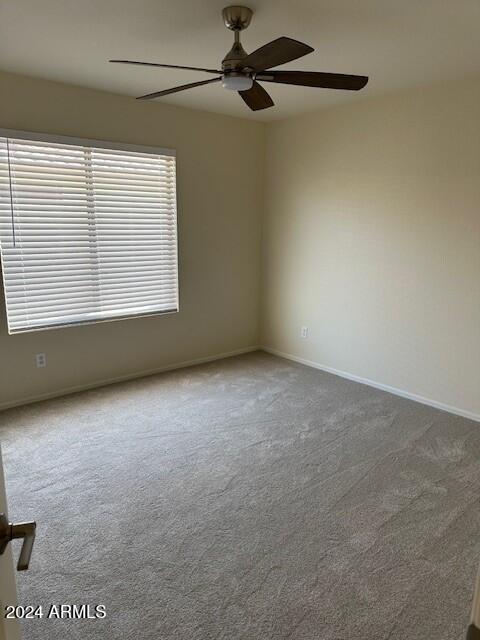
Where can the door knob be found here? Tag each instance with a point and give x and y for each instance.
(11, 531)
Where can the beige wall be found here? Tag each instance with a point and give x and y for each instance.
(219, 164)
(372, 240)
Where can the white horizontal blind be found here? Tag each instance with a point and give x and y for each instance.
(86, 233)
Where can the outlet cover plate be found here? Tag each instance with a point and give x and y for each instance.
(41, 360)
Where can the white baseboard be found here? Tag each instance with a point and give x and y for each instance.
(220, 356)
(376, 385)
(129, 376)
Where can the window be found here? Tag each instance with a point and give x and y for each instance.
(88, 231)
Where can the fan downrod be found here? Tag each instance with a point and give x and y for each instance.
(237, 18)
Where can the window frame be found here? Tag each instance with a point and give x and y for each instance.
(100, 144)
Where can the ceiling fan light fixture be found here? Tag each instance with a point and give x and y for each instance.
(237, 82)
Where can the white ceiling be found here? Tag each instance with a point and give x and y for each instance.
(398, 43)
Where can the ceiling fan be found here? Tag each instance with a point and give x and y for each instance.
(241, 71)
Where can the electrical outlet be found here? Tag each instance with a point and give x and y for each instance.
(41, 360)
(304, 332)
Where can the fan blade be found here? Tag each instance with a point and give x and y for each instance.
(166, 66)
(256, 97)
(315, 79)
(167, 92)
(277, 52)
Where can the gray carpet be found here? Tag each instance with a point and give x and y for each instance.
(249, 499)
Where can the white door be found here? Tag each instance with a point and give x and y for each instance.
(9, 629)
